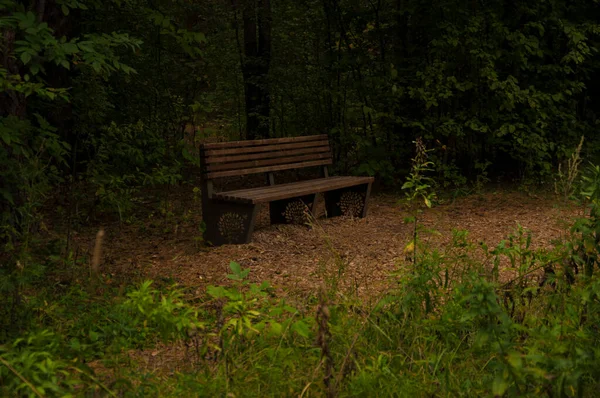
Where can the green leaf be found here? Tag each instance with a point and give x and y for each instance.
(276, 328)
(216, 291)
(34, 69)
(25, 58)
(235, 268)
(499, 386)
(301, 328)
(94, 336)
(70, 48)
(65, 9)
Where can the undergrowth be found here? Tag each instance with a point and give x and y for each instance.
(462, 320)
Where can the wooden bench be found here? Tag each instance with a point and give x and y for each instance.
(230, 216)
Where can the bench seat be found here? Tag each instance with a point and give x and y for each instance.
(290, 190)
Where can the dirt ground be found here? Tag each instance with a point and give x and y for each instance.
(293, 257)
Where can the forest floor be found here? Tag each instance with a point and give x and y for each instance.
(295, 258)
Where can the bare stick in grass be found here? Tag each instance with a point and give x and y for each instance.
(95, 266)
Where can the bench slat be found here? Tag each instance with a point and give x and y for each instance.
(286, 191)
(321, 185)
(247, 192)
(264, 155)
(268, 141)
(251, 195)
(267, 162)
(267, 169)
(254, 192)
(265, 148)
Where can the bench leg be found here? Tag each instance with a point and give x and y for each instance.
(351, 201)
(292, 211)
(229, 223)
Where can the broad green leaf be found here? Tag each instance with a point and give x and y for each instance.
(25, 57)
(235, 268)
(216, 291)
(301, 328)
(70, 48)
(276, 328)
(499, 386)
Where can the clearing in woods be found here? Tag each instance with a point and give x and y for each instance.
(294, 257)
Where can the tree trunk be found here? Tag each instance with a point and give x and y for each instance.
(12, 103)
(255, 66)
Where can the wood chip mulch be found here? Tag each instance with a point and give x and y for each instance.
(296, 258)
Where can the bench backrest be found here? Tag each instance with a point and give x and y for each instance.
(226, 159)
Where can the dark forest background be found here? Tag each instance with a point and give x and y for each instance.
(102, 97)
